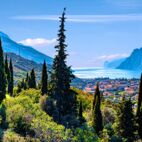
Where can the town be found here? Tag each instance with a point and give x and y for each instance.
(112, 89)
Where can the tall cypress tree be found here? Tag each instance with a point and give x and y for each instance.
(32, 80)
(11, 81)
(27, 77)
(81, 118)
(2, 75)
(139, 97)
(125, 120)
(62, 77)
(44, 78)
(7, 72)
(80, 109)
(139, 109)
(139, 121)
(21, 85)
(27, 81)
(97, 115)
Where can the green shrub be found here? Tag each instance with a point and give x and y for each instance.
(26, 117)
(10, 136)
(32, 93)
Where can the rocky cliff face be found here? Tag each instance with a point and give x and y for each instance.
(133, 62)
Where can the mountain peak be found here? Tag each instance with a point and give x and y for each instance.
(133, 62)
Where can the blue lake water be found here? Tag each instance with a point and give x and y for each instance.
(105, 72)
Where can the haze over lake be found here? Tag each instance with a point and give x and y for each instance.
(99, 72)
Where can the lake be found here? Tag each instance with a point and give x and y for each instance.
(105, 72)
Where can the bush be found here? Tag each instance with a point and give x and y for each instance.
(10, 136)
(26, 117)
(85, 134)
(33, 94)
(108, 115)
(116, 139)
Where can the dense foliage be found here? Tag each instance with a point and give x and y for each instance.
(125, 121)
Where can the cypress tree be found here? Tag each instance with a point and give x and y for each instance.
(97, 114)
(81, 118)
(27, 77)
(139, 120)
(2, 75)
(32, 80)
(62, 77)
(80, 109)
(21, 86)
(11, 81)
(7, 72)
(125, 120)
(27, 81)
(139, 97)
(139, 109)
(44, 78)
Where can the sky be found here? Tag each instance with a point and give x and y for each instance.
(97, 30)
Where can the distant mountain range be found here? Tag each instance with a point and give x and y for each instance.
(114, 64)
(26, 52)
(133, 62)
(25, 57)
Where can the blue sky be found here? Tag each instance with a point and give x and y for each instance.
(97, 30)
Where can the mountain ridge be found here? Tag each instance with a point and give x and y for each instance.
(114, 63)
(26, 52)
(133, 62)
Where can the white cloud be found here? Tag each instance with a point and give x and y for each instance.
(38, 42)
(111, 57)
(85, 18)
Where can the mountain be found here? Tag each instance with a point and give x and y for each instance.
(26, 52)
(114, 64)
(21, 66)
(133, 62)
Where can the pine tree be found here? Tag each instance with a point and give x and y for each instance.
(7, 72)
(11, 81)
(97, 115)
(44, 78)
(139, 97)
(125, 120)
(32, 80)
(62, 77)
(81, 118)
(2, 75)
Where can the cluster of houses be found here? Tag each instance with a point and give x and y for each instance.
(114, 89)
